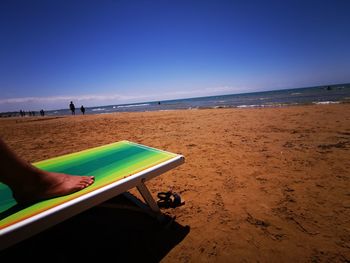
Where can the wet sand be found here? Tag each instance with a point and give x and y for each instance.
(268, 185)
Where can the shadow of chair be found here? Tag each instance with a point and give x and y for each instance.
(101, 233)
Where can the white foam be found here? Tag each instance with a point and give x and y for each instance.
(133, 105)
(220, 107)
(325, 102)
(249, 106)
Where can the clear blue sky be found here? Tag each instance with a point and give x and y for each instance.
(112, 52)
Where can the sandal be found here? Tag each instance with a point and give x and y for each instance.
(169, 199)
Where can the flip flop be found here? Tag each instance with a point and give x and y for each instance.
(169, 200)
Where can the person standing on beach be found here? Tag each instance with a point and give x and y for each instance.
(82, 109)
(72, 107)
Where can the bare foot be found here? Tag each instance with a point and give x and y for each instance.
(50, 185)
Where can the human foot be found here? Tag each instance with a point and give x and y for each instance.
(51, 185)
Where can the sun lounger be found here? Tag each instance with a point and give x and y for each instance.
(117, 167)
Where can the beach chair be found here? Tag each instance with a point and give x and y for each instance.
(117, 167)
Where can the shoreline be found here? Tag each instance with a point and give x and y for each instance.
(16, 114)
(259, 184)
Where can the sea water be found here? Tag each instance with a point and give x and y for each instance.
(277, 98)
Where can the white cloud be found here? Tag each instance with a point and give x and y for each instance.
(90, 100)
(56, 102)
(58, 98)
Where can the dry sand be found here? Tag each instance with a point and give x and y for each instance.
(267, 185)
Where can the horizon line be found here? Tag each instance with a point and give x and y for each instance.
(69, 98)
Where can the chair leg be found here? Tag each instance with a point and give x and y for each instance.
(150, 206)
(142, 188)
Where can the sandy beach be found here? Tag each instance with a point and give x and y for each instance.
(259, 185)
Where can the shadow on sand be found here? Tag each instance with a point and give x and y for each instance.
(101, 233)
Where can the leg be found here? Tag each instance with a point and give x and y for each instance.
(29, 184)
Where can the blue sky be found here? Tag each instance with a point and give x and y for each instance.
(113, 52)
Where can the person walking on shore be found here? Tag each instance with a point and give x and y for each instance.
(72, 107)
(82, 109)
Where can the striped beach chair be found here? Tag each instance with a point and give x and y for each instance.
(117, 167)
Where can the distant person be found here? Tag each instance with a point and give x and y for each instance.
(72, 107)
(42, 112)
(82, 109)
(30, 184)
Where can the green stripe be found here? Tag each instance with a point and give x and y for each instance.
(107, 163)
(87, 166)
(83, 156)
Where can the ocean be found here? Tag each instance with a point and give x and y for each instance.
(278, 98)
